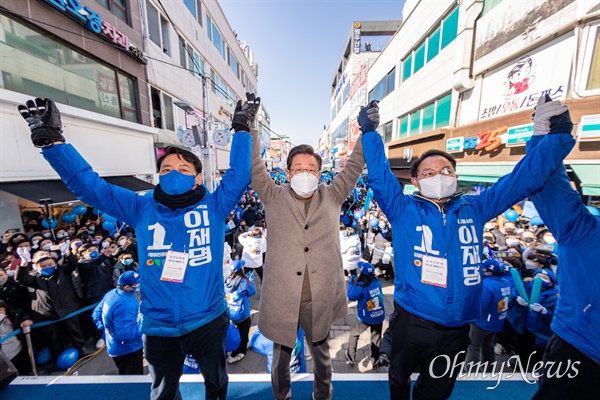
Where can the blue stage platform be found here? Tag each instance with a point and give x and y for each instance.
(247, 387)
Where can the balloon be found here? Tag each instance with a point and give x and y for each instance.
(108, 225)
(511, 215)
(593, 210)
(354, 224)
(374, 222)
(536, 220)
(96, 212)
(43, 356)
(67, 358)
(49, 223)
(358, 214)
(79, 210)
(108, 218)
(69, 217)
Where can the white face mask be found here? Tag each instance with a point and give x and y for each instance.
(304, 184)
(47, 246)
(122, 242)
(2, 315)
(105, 245)
(549, 240)
(438, 187)
(512, 242)
(489, 226)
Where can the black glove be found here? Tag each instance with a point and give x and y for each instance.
(368, 117)
(551, 117)
(245, 113)
(44, 122)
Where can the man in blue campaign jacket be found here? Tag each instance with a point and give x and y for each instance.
(494, 307)
(117, 314)
(438, 242)
(576, 336)
(180, 234)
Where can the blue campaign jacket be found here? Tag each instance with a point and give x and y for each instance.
(370, 308)
(169, 308)
(577, 231)
(237, 294)
(495, 301)
(118, 315)
(455, 232)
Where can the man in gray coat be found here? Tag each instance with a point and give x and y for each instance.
(303, 275)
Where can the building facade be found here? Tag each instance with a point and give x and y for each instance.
(130, 77)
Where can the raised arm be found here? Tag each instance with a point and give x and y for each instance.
(557, 194)
(530, 174)
(385, 185)
(345, 181)
(44, 122)
(261, 180)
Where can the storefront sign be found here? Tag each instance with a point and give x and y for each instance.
(409, 189)
(354, 134)
(358, 91)
(518, 85)
(86, 16)
(109, 97)
(455, 145)
(518, 135)
(589, 128)
(357, 38)
(224, 111)
(487, 140)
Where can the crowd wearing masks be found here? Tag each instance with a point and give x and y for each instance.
(460, 266)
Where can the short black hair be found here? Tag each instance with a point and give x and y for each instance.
(303, 149)
(185, 154)
(430, 153)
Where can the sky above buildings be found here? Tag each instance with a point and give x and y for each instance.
(298, 45)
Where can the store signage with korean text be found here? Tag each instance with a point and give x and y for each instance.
(109, 97)
(86, 16)
(589, 128)
(357, 37)
(455, 145)
(518, 135)
(354, 134)
(518, 85)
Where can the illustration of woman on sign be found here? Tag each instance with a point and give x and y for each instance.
(520, 77)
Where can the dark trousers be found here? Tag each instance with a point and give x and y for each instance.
(21, 361)
(357, 329)
(581, 384)
(130, 364)
(244, 328)
(53, 335)
(206, 344)
(431, 347)
(482, 346)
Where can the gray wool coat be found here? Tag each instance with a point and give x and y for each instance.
(296, 242)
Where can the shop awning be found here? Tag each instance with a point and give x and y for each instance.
(57, 191)
(589, 175)
(482, 173)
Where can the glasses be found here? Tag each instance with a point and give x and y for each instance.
(430, 173)
(296, 171)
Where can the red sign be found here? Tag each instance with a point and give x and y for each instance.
(353, 134)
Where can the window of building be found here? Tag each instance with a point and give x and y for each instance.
(191, 5)
(215, 37)
(69, 77)
(387, 132)
(213, 85)
(198, 66)
(433, 44)
(428, 118)
(415, 123)
(419, 57)
(117, 7)
(158, 29)
(593, 81)
(442, 111)
(450, 27)
(403, 127)
(182, 52)
(162, 110)
(443, 34)
(391, 81)
(407, 67)
(233, 64)
(384, 87)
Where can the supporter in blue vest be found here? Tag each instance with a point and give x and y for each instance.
(495, 301)
(438, 232)
(238, 290)
(117, 314)
(180, 237)
(370, 311)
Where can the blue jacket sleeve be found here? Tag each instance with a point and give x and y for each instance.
(251, 289)
(97, 315)
(568, 227)
(237, 178)
(385, 185)
(88, 187)
(486, 297)
(354, 291)
(528, 176)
